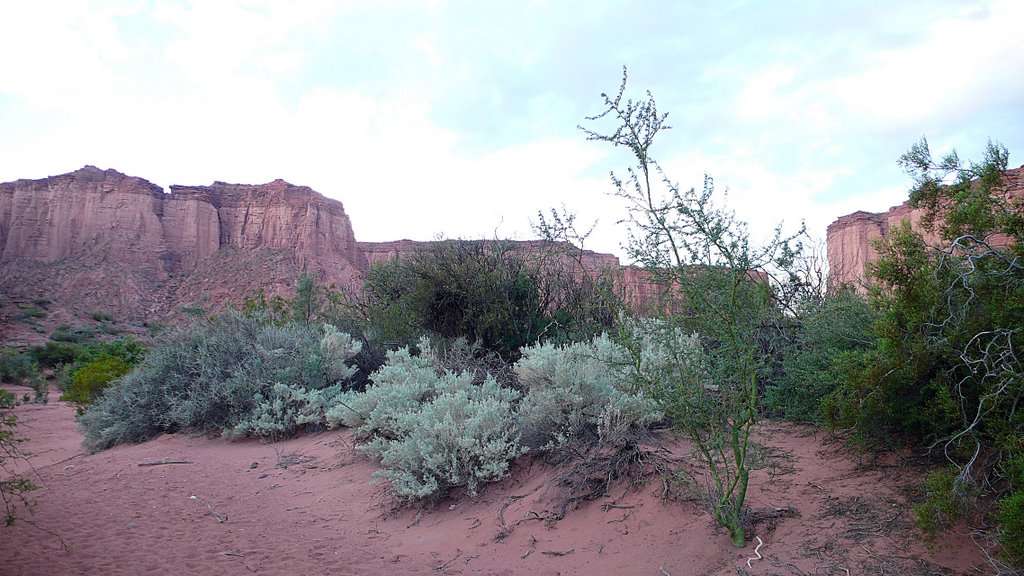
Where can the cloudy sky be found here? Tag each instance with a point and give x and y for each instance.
(460, 118)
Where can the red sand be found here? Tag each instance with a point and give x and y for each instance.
(306, 506)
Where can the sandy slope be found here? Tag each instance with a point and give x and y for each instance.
(306, 506)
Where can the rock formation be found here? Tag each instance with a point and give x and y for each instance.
(101, 241)
(851, 238)
(98, 241)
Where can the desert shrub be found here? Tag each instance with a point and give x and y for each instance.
(13, 486)
(944, 371)
(53, 354)
(31, 312)
(577, 394)
(78, 335)
(432, 430)
(940, 508)
(1011, 532)
(829, 341)
(126, 351)
(716, 283)
(488, 292)
(15, 367)
(102, 316)
(20, 368)
(222, 374)
(90, 379)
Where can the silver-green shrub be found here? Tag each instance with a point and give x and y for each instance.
(239, 374)
(579, 391)
(432, 430)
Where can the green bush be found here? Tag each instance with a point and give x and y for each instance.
(432, 431)
(32, 312)
(1011, 520)
(91, 379)
(829, 343)
(221, 375)
(102, 317)
(944, 369)
(126, 349)
(941, 507)
(19, 368)
(488, 292)
(15, 367)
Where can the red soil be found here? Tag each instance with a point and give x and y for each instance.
(307, 506)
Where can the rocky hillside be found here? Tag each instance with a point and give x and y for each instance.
(79, 249)
(850, 237)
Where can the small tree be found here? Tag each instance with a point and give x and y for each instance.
(13, 487)
(717, 284)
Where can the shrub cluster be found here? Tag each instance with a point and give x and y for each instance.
(236, 373)
(578, 393)
(95, 366)
(19, 368)
(432, 429)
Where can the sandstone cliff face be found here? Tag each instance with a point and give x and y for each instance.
(274, 215)
(851, 238)
(98, 240)
(90, 215)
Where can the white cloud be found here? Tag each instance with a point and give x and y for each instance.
(439, 119)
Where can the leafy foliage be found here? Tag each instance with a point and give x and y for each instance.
(828, 341)
(490, 292)
(89, 381)
(13, 487)
(945, 370)
(15, 367)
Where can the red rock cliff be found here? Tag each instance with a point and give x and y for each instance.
(103, 241)
(850, 238)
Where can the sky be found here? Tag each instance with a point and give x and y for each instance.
(460, 118)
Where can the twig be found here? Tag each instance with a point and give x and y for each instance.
(235, 554)
(558, 552)
(663, 571)
(443, 567)
(163, 462)
(220, 517)
(757, 550)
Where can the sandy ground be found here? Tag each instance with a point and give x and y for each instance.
(307, 506)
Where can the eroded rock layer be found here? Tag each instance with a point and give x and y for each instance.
(851, 238)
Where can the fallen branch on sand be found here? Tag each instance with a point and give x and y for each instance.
(163, 462)
(220, 517)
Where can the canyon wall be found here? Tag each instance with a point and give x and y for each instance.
(851, 238)
(103, 241)
(99, 241)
